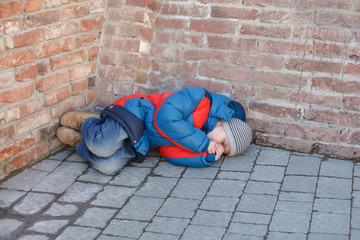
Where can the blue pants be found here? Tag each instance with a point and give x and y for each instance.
(105, 145)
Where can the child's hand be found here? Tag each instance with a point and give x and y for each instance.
(211, 148)
(219, 151)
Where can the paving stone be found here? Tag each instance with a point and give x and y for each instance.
(95, 176)
(356, 183)
(356, 199)
(58, 210)
(248, 229)
(33, 237)
(80, 192)
(78, 233)
(322, 236)
(125, 228)
(33, 203)
(25, 180)
(252, 150)
(106, 237)
(273, 157)
(168, 225)
(113, 196)
(177, 207)
(299, 222)
(268, 173)
(222, 204)
(62, 181)
(240, 163)
(253, 218)
(61, 155)
(301, 207)
(287, 236)
(140, 208)
(75, 157)
(336, 168)
(7, 226)
(157, 187)
(131, 176)
(95, 217)
(303, 165)
(355, 234)
(332, 205)
(191, 188)
(257, 203)
(233, 175)
(210, 218)
(356, 170)
(200, 173)
(202, 232)
(330, 223)
(157, 236)
(299, 184)
(50, 226)
(226, 188)
(232, 236)
(334, 188)
(166, 169)
(262, 188)
(149, 162)
(47, 165)
(9, 197)
(72, 168)
(296, 197)
(355, 218)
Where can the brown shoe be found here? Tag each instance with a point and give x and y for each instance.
(68, 136)
(74, 119)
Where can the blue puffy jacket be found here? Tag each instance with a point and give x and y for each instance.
(174, 122)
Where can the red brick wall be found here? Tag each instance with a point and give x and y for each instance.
(48, 52)
(293, 64)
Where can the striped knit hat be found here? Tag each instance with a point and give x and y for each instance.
(238, 134)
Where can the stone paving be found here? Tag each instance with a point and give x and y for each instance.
(263, 194)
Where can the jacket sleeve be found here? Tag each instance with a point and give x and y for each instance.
(180, 157)
(173, 120)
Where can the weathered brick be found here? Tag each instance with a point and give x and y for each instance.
(231, 12)
(317, 99)
(213, 26)
(327, 4)
(16, 94)
(86, 39)
(338, 151)
(166, 52)
(266, 126)
(266, 31)
(323, 33)
(52, 81)
(41, 18)
(270, 93)
(274, 111)
(90, 96)
(206, 55)
(33, 5)
(109, 58)
(7, 134)
(8, 26)
(276, 3)
(114, 3)
(53, 3)
(68, 60)
(57, 96)
(178, 68)
(17, 58)
(29, 156)
(26, 73)
(33, 122)
(179, 38)
(171, 23)
(97, 6)
(92, 23)
(75, 11)
(284, 47)
(286, 17)
(328, 116)
(2, 46)
(70, 104)
(7, 79)
(61, 30)
(330, 50)
(130, 15)
(279, 79)
(93, 52)
(80, 72)
(25, 109)
(311, 133)
(116, 73)
(25, 39)
(52, 48)
(352, 68)
(350, 136)
(143, 63)
(307, 65)
(17, 146)
(184, 10)
(78, 87)
(147, 34)
(209, 85)
(352, 103)
(136, 3)
(125, 29)
(337, 85)
(10, 8)
(258, 61)
(224, 72)
(141, 77)
(128, 45)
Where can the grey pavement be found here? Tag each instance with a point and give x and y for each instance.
(263, 194)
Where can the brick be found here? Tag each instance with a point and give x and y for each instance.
(7, 79)
(93, 52)
(53, 3)
(205, 55)
(316, 99)
(26, 73)
(70, 104)
(115, 4)
(86, 39)
(326, 4)
(141, 77)
(306, 65)
(52, 81)
(97, 6)
(92, 23)
(327, 116)
(61, 30)
(276, 3)
(8, 26)
(279, 79)
(178, 68)
(33, 5)
(16, 94)
(243, 90)
(284, 47)
(266, 31)
(10, 8)
(68, 60)
(25, 39)
(33, 122)
(245, 59)
(29, 156)
(90, 97)
(126, 15)
(338, 151)
(350, 136)
(113, 73)
(337, 85)
(283, 142)
(267, 126)
(179, 39)
(2, 46)
(7, 134)
(17, 146)
(17, 58)
(143, 63)
(275, 111)
(167, 52)
(171, 23)
(57, 96)
(75, 11)
(286, 17)
(79, 86)
(231, 12)
(352, 103)
(323, 33)
(223, 72)
(126, 30)
(80, 72)
(147, 34)
(352, 68)
(271, 93)
(52, 48)
(128, 45)
(25, 109)
(136, 3)
(94, 67)
(311, 133)
(330, 50)
(41, 18)
(184, 10)
(213, 26)
(109, 58)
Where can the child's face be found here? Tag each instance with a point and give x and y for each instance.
(218, 135)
